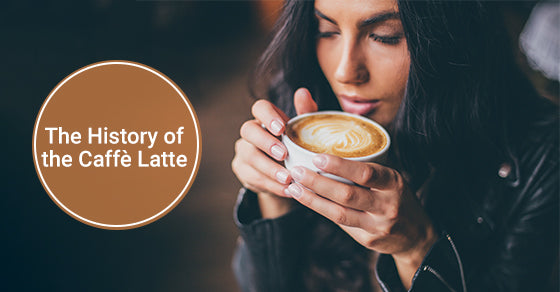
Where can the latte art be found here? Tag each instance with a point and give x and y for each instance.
(338, 135)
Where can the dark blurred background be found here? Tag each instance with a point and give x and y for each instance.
(208, 48)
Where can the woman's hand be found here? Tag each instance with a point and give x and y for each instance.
(258, 153)
(380, 212)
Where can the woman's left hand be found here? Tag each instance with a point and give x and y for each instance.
(380, 212)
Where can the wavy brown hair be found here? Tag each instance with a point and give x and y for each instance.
(466, 103)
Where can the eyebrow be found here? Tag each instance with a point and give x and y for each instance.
(382, 16)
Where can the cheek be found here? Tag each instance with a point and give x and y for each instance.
(403, 67)
(326, 56)
(390, 81)
(391, 72)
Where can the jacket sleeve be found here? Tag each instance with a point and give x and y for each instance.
(267, 257)
(441, 270)
(521, 256)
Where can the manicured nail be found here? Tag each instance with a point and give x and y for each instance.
(276, 127)
(297, 173)
(277, 152)
(320, 161)
(287, 192)
(282, 176)
(295, 190)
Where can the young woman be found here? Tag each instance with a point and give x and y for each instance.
(469, 199)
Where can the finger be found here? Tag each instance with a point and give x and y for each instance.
(358, 234)
(380, 241)
(371, 175)
(251, 155)
(303, 101)
(366, 239)
(270, 116)
(331, 210)
(350, 196)
(256, 135)
(256, 181)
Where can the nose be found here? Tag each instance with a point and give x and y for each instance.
(351, 67)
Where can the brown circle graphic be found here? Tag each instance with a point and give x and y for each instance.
(116, 145)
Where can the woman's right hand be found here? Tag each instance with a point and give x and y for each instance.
(259, 153)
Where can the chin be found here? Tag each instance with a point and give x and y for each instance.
(383, 116)
(380, 119)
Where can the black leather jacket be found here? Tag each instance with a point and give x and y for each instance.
(505, 238)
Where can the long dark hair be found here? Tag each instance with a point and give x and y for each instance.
(466, 105)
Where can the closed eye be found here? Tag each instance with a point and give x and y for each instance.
(389, 40)
(326, 34)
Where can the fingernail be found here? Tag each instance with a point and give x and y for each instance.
(276, 127)
(295, 191)
(282, 176)
(277, 152)
(287, 192)
(320, 161)
(297, 173)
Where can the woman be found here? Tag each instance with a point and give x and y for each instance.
(469, 200)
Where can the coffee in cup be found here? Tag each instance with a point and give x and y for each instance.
(342, 134)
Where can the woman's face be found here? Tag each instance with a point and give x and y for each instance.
(362, 51)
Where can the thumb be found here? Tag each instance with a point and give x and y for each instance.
(303, 101)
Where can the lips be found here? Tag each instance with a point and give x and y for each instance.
(357, 105)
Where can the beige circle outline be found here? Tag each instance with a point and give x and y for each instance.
(183, 191)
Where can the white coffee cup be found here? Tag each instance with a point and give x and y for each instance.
(299, 156)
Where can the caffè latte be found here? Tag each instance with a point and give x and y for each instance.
(342, 135)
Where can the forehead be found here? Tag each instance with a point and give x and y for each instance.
(354, 10)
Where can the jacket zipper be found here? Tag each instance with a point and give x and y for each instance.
(427, 268)
(458, 262)
(435, 273)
